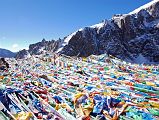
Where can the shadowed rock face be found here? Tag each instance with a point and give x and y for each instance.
(124, 36)
(127, 37)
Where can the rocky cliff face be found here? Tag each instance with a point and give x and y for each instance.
(128, 37)
(132, 37)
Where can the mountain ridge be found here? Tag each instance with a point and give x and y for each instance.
(128, 31)
(38, 48)
(4, 53)
(125, 36)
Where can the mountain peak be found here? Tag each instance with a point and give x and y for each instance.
(43, 40)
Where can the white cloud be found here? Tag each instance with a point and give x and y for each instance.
(14, 46)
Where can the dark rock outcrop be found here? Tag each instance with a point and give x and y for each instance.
(3, 64)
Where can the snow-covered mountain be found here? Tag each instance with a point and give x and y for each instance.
(6, 53)
(129, 36)
(132, 37)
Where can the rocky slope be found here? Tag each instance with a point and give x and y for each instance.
(6, 53)
(132, 37)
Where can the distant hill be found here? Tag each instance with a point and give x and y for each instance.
(6, 53)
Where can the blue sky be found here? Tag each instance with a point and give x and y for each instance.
(23, 22)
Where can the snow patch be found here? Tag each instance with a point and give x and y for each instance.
(27, 55)
(41, 49)
(99, 25)
(80, 29)
(66, 40)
